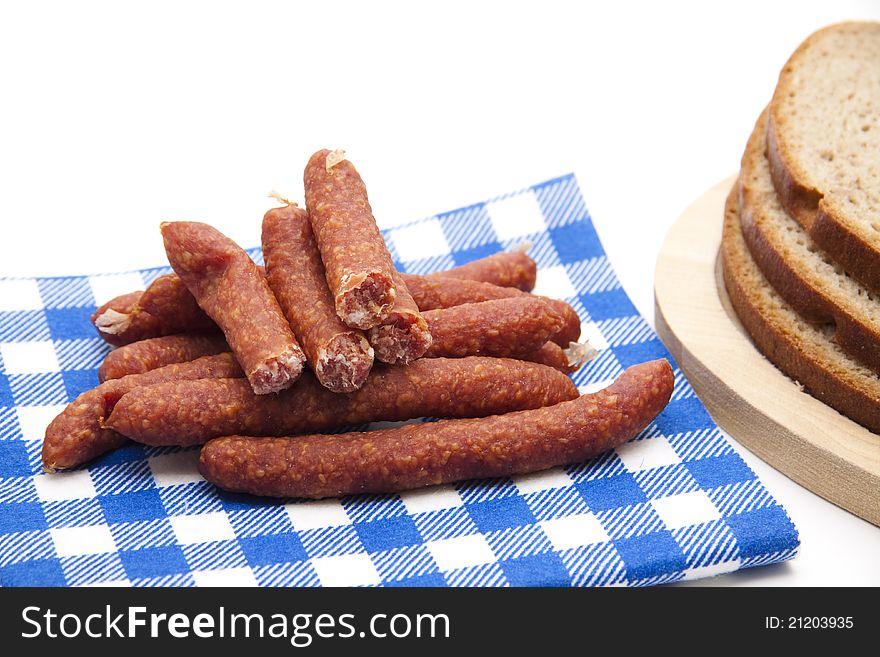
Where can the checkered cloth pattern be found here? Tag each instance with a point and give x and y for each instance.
(675, 503)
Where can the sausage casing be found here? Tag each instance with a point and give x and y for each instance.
(190, 413)
(79, 434)
(404, 335)
(234, 293)
(506, 269)
(506, 328)
(435, 292)
(418, 455)
(170, 301)
(339, 355)
(145, 355)
(568, 360)
(115, 320)
(167, 306)
(357, 264)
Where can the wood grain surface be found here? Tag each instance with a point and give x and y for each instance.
(747, 395)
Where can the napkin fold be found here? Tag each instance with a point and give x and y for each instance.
(675, 503)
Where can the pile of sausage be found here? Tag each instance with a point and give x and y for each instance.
(255, 363)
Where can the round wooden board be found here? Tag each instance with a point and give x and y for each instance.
(749, 398)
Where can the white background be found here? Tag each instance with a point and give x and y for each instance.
(115, 116)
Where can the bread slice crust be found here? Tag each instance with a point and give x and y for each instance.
(804, 352)
(836, 213)
(801, 273)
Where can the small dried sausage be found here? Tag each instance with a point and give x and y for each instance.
(234, 293)
(168, 307)
(571, 322)
(418, 455)
(115, 322)
(459, 332)
(357, 264)
(189, 413)
(551, 355)
(340, 356)
(170, 301)
(122, 304)
(404, 335)
(440, 291)
(507, 269)
(145, 355)
(506, 328)
(434, 292)
(78, 434)
(568, 360)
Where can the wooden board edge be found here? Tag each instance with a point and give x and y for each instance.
(796, 453)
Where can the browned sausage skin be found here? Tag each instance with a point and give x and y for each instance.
(115, 320)
(507, 269)
(145, 355)
(418, 455)
(510, 327)
(506, 328)
(340, 356)
(79, 434)
(403, 336)
(439, 291)
(357, 264)
(568, 360)
(168, 307)
(191, 413)
(234, 293)
(170, 301)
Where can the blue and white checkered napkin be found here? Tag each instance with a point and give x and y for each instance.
(675, 503)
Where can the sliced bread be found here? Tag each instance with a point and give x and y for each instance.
(824, 143)
(807, 353)
(818, 289)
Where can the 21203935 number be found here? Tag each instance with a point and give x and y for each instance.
(809, 622)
